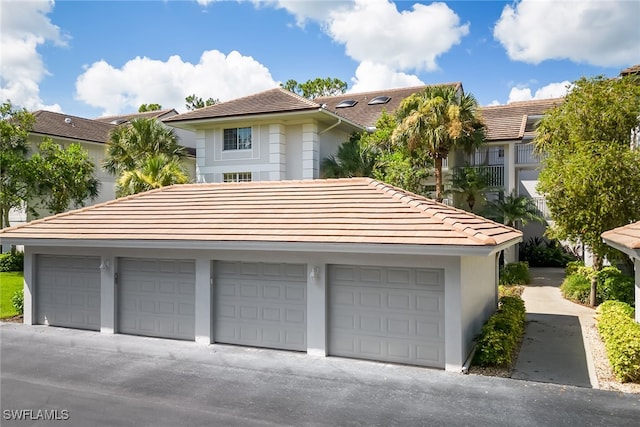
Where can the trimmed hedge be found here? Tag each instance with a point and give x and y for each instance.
(621, 336)
(515, 273)
(12, 261)
(501, 334)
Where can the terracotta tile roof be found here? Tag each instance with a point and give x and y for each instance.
(627, 236)
(336, 211)
(509, 121)
(124, 118)
(365, 114)
(276, 100)
(54, 124)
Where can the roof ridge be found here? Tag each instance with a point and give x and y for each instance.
(394, 89)
(299, 97)
(425, 204)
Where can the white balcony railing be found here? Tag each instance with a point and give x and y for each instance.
(525, 155)
(540, 203)
(492, 157)
(495, 174)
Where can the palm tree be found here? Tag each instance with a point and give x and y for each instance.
(437, 120)
(513, 208)
(471, 184)
(129, 145)
(157, 170)
(354, 158)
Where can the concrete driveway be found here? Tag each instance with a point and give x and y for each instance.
(120, 380)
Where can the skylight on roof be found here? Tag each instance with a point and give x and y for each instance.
(380, 100)
(347, 103)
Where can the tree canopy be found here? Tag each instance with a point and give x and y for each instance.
(137, 149)
(64, 177)
(155, 171)
(193, 102)
(435, 121)
(149, 107)
(16, 184)
(317, 87)
(591, 174)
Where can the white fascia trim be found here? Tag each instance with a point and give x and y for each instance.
(633, 253)
(430, 250)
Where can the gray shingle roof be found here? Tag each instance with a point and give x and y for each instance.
(72, 127)
(365, 114)
(123, 118)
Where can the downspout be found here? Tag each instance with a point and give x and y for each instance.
(330, 127)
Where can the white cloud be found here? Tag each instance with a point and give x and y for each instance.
(552, 90)
(143, 80)
(305, 10)
(370, 76)
(375, 31)
(23, 27)
(596, 32)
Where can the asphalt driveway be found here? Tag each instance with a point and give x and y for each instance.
(121, 380)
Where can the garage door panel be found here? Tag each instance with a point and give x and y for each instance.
(385, 314)
(260, 304)
(156, 297)
(68, 291)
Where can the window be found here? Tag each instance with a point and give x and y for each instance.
(237, 139)
(380, 100)
(237, 177)
(347, 103)
(501, 152)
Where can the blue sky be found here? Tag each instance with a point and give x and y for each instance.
(93, 58)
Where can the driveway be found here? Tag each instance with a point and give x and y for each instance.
(121, 380)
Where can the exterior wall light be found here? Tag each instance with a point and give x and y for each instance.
(104, 265)
(314, 274)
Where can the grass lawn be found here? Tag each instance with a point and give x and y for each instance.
(9, 283)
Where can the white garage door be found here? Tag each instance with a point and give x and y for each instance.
(68, 291)
(262, 305)
(387, 314)
(156, 298)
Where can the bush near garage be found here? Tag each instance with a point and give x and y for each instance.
(12, 261)
(621, 336)
(17, 301)
(612, 285)
(515, 273)
(501, 334)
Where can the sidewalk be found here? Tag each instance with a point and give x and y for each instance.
(554, 349)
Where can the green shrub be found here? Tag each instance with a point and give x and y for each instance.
(17, 300)
(510, 291)
(577, 288)
(501, 334)
(542, 253)
(621, 336)
(12, 261)
(572, 267)
(515, 273)
(613, 285)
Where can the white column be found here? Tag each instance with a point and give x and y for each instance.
(204, 334)
(201, 141)
(637, 268)
(29, 313)
(277, 152)
(316, 309)
(310, 151)
(453, 318)
(510, 183)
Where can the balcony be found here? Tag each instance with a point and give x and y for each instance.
(540, 203)
(525, 155)
(494, 156)
(495, 173)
